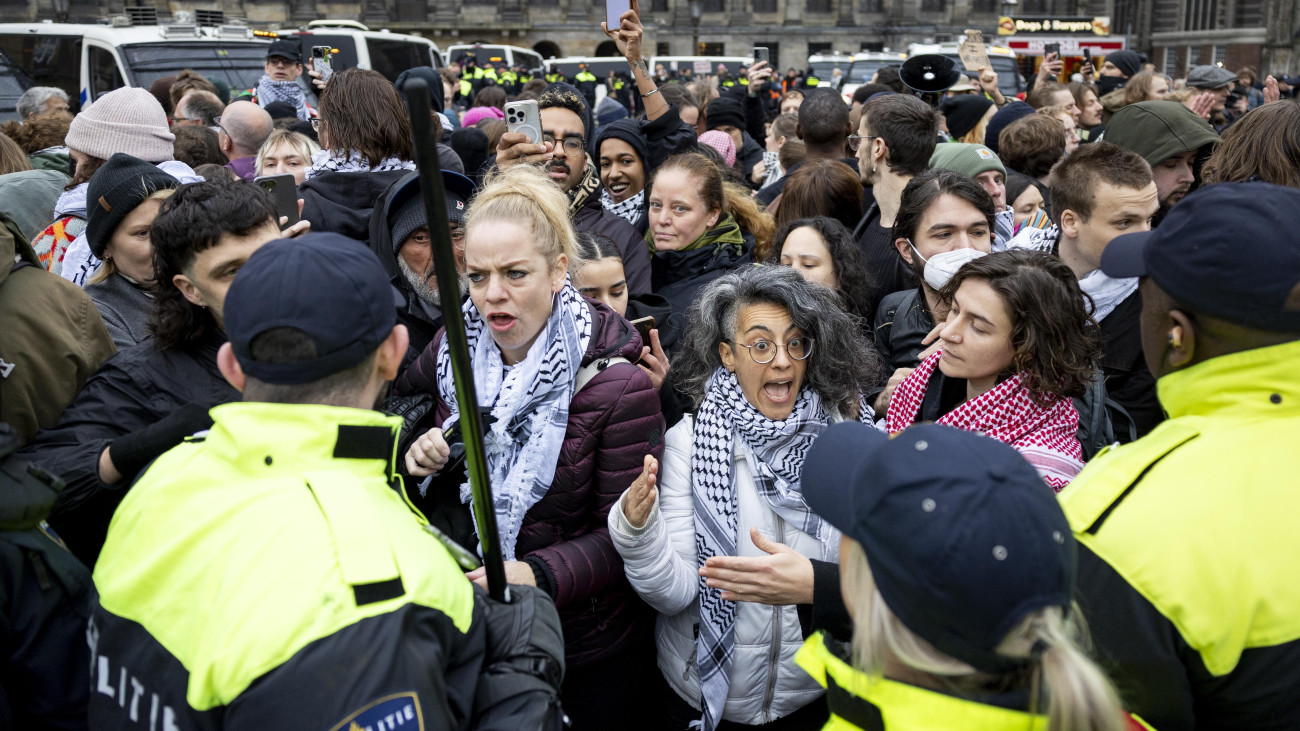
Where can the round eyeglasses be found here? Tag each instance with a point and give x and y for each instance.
(764, 351)
(572, 145)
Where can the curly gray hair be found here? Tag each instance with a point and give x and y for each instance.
(842, 366)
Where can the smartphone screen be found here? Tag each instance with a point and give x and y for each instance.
(1052, 48)
(760, 54)
(614, 9)
(282, 188)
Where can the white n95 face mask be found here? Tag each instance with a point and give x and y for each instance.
(940, 267)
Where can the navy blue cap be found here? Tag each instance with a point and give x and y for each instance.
(963, 537)
(1230, 251)
(330, 287)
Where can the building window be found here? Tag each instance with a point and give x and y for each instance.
(1193, 55)
(1171, 63)
(872, 47)
(819, 49)
(1033, 6)
(714, 6)
(1202, 15)
(1220, 54)
(662, 49)
(985, 6)
(1250, 13)
(872, 6)
(659, 6)
(819, 6)
(712, 49)
(764, 6)
(933, 6)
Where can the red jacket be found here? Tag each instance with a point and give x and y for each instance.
(614, 421)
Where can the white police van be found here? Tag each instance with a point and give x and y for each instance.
(498, 55)
(90, 60)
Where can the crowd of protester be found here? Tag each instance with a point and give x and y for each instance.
(798, 412)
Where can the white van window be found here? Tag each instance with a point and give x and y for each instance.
(104, 74)
(392, 57)
(47, 61)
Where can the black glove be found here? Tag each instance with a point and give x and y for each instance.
(519, 686)
(132, 452)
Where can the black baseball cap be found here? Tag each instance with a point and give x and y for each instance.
(963, 537)
(1230, 251)
(328, 286)
(285, 48)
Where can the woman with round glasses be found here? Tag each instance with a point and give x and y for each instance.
(731, 549)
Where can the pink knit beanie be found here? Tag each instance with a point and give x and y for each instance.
(722, 142)
(477, 114)
(127, 120)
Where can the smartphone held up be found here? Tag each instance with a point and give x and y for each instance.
(614, 10)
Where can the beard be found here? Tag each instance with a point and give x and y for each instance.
(422, 284)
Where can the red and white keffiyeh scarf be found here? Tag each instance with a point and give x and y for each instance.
(1045, 437)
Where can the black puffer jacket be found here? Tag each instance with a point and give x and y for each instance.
(132, 390)
(342, 203)
(902, 322)
(678, 276)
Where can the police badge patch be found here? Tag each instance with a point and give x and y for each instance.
(398, 712)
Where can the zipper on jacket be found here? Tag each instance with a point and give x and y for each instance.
(774, 654)
(600, 623)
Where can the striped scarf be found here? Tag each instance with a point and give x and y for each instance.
(529, 402)
(1045, 437)
(776, 451)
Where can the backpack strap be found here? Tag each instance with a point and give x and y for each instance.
(589, 371)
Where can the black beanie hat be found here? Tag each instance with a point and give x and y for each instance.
(963, 113)
(628, 130)
(1128, 62)
(431, 78)
(115, 190)
(725, 111)
(1004, 117)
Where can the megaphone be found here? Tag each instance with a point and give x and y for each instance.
(929, 73)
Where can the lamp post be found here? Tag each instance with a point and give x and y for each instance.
(61, 8)
(697, 10)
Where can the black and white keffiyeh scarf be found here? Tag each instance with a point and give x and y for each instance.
(270, 90)
(629, 210)
(529, 405)
(327, 161)
(776, 452)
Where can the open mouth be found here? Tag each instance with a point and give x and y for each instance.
(778, 392)
(558, 172)
(618, 188)
(500, 322)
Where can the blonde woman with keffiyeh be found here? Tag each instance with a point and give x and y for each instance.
(720, 540)
(1017, 345)
(558, 457)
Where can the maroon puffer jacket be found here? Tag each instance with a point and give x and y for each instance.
(614, 421)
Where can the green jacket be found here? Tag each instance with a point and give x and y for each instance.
(1159, 130)
(1188, 547)
(51, 339)
(270, 576)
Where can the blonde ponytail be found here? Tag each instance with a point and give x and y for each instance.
(1079, 696)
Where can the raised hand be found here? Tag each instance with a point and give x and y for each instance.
(639, 499)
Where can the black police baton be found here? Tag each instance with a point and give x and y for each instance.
(444, 263)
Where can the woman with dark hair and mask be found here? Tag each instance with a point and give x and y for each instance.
(945, 219)
(769, 361)
(1017, 345)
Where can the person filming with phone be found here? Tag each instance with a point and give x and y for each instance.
(562, 152)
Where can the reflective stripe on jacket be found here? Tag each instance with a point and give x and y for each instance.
(1188, 544)
(858, 701)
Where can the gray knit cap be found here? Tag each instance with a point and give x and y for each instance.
(127, 120)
